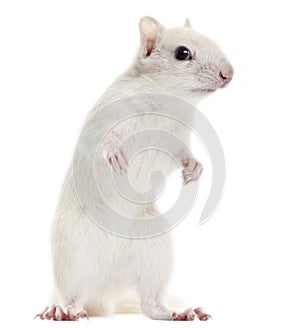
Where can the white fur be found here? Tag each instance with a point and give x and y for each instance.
(91, 267)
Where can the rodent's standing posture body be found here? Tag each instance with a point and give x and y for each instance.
(94, 269)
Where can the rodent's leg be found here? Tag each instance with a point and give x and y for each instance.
(152, 283)
(192, 169)
(72, 312)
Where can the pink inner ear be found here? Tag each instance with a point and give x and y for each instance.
(149, 47)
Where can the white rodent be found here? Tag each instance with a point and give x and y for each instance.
(93, 269)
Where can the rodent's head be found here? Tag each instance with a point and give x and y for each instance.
(189, 64)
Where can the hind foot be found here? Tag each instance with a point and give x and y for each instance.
(187, 315)
(58, 313)
(201, 315)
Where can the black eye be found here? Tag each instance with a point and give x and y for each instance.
(183, 54)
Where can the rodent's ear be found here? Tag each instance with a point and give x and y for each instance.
(187, 23)
(150, 30)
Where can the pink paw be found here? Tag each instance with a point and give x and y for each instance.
(116, 157)
(58, 313)
(192, 170)
(187, 315)
(201, 315)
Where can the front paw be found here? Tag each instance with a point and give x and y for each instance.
(116, 157)
(192, 170)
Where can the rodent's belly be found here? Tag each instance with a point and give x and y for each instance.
(144, 184)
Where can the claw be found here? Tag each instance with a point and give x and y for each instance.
(124, 157)
(40, 315)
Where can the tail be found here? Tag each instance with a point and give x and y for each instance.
(128, 306)
(133, 305)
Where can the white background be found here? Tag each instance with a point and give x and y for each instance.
(57, 58)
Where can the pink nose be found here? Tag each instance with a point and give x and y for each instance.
(226, 71)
